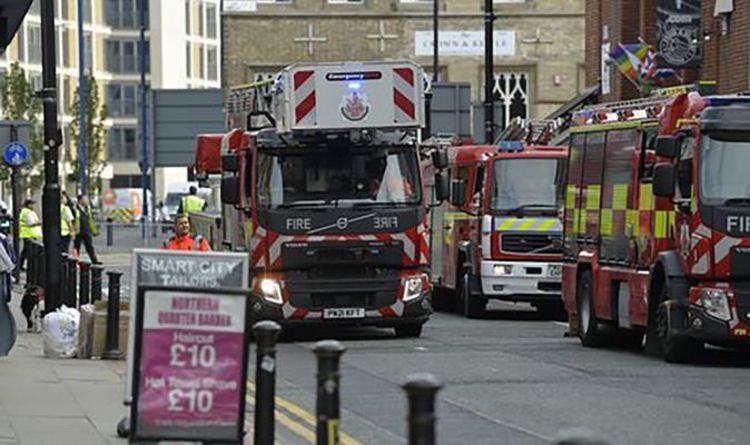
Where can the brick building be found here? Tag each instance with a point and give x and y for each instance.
(538, 60)
(724, 42)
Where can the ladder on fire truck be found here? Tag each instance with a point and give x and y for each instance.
(242, 102)
(530, 131)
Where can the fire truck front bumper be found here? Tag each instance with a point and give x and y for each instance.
(521, 281)
(717, 315)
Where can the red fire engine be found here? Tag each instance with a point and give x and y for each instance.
(657, 239)
(499, 237)
(326, 196)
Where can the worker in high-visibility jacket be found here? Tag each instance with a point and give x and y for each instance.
(182, 239)
(191, 203)
(29, 229)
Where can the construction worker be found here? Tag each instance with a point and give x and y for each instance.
(191, 203)
(85, 228)
(182, 239)
(29, 229)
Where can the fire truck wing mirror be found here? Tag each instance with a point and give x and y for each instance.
(664, 180)
(442, 187)
(667, 146)
(230, 190)
(458, 192)
(230, 163)
(440, 159)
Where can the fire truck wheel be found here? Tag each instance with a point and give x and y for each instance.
(409, 330)
(674, 350)
(589, 330)
(471, 306)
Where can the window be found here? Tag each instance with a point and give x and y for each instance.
(35, 42)
(512, 91)
(123, 13)
(201, 62)
(121, 99)
(121, 144)
(20, 35)
(67, 94)
(211, 21)
(129, 14)
(65, 38)
(201, 21)
(34, 8)
(212, 63)
(35, 81)
(88, 52)
(87, 11)
(188, 59)
(187, 17)
(64, 13)
(122, 56)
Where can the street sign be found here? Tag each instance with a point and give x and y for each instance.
(16, 154)
(191, 361)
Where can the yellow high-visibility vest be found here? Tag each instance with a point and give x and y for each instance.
(192, 204)
(24, 230)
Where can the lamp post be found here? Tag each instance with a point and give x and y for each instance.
(489, 78)
(143, 124)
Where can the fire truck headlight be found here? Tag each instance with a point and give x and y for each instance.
(554, 270)
(502, 269)
(716, 303)
(271, 290)
(414, 286)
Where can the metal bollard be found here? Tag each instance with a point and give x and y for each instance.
(96, 282)
(31, 264)
(112, 351)
(421, 390)
(327, 406)
(84, 283)
(110, 234)
(72, 285)
(266, 333)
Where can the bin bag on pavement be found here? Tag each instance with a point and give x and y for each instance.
(60, 333)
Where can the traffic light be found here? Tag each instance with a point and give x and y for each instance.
(12, 13)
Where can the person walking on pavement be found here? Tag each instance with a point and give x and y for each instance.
(66, 223)
(29, 229)
(191, 203)
(85, 228)
(182, 239)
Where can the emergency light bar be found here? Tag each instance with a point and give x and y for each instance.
(510, 146)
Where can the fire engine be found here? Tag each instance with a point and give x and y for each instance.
(656, 235)
(499, 237)
(323, 188)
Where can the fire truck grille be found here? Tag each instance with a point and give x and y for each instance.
(543, 244)
(317, 291)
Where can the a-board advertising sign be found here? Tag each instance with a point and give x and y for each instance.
(171, 271)
(190, 360)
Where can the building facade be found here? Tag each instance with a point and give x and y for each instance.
(723, 42)
(183, 47)
(538, 62)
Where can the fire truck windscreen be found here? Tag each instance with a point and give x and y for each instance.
(527, 184)
(338, 178)
(723, 168)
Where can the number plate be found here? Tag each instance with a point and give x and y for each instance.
(349, 312)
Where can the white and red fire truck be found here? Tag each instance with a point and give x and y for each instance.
(499, 237)
(657, 238)
(326, 196)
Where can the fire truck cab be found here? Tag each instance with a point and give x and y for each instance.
(326, 196)
(501, 231)
(656, 239)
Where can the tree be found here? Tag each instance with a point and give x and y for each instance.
(95, 133)
(21, 103)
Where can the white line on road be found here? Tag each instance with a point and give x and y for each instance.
(500, 422)
(561, 323)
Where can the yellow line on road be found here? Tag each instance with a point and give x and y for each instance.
(302, 414)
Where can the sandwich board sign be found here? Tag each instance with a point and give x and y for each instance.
(187, 345)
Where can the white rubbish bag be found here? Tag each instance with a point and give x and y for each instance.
(60, 333)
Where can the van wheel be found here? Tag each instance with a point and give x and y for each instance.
(409, 330)
(589, 329)
(674, 350)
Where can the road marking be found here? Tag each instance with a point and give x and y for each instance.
(301, 413)
(561, 323)
(500, 422)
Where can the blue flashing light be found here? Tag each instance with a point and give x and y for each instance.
(511, 146)
(355, 85)
(725, 101)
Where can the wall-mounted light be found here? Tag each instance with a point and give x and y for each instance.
(723, 10)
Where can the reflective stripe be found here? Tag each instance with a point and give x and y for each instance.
(528, 224)
(620, 197)
(570, 197)
(606, 222)
(507, 224)
(632, 221)
(593, 197)
(660, 223)
(647, 197)
(457, 216)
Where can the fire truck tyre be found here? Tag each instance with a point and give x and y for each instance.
(589, 330)
(409, 330)
(673, 349)
(471, 306)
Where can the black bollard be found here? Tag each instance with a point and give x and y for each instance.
(266, 333)
(112, 351)
(96, 282)
(84, 283)
(32, 272)
(327, 406)
(421, 390)
(72, 285)
(110, 234)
